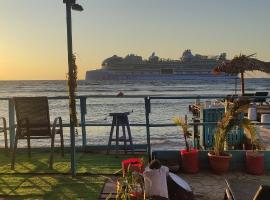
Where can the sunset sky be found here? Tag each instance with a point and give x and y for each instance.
(33, 32)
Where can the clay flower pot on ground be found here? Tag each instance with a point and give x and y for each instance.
(189, 156)
(130, 186)
(132, 165)
(134, 195)
(254, 158)
(255, 162)
(218, 159)
(219, 164)
(190, 161)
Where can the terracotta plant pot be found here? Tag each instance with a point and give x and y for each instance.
(255, 162)
(219, 164)
(190, 161)
(136, 195)
(132, 165)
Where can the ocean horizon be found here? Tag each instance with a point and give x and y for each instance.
(98, 109)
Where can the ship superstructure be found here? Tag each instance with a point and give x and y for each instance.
(135, 67)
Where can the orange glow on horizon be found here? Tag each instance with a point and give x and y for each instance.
(34, 46)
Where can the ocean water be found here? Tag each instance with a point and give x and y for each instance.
(98, 108)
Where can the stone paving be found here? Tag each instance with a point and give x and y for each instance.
(208, 186)
(205, 185)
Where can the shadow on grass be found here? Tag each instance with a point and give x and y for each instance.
(50, 187)
(39, 163)
(32, 178)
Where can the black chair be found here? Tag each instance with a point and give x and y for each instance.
(263, 193)
(246, 190)
(260, 100)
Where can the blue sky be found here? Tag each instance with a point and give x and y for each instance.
(33, 33)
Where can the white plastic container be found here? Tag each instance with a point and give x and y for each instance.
(197, 101)
(252, 114)
(207, 104)
(265, 118)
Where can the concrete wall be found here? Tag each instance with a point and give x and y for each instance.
(237, 162)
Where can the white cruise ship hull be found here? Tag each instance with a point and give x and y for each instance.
(107, 75)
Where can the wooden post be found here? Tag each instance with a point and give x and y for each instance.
(242, 83)
(147, 112)
(235, 86)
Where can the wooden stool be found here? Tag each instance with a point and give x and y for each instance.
(120, 119)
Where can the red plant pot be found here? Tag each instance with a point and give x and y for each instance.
(219, 164)
(136, 195)
(132, 164)
(255, 162)
(190, 161)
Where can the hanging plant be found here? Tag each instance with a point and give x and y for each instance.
(72, 89)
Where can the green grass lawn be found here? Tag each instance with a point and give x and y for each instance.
(32, 179)
(50, 187)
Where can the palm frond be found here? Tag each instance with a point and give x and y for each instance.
(230, 120)
(181, 123)
(185, 128)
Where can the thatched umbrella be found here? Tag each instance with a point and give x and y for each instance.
(240, 64)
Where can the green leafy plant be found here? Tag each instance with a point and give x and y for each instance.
(185, 129)
(230, 120)
(131, 186)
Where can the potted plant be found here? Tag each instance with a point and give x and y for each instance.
(189, 156)
(132, 164)
(219, 160)
(254, 158)
(130, 186)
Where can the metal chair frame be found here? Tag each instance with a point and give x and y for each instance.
(33, 122)
(4, 130)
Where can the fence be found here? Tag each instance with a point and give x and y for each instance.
(147, 108)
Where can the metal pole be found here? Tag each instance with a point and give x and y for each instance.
(11, 121)
(83, 112)
(147, 112)
(70, 54)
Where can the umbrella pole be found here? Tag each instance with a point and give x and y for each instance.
(235, 86)
(242, 83)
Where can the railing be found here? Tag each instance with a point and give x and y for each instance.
(147, 107)
(83, 111)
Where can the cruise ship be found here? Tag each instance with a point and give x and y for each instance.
(134, 67)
